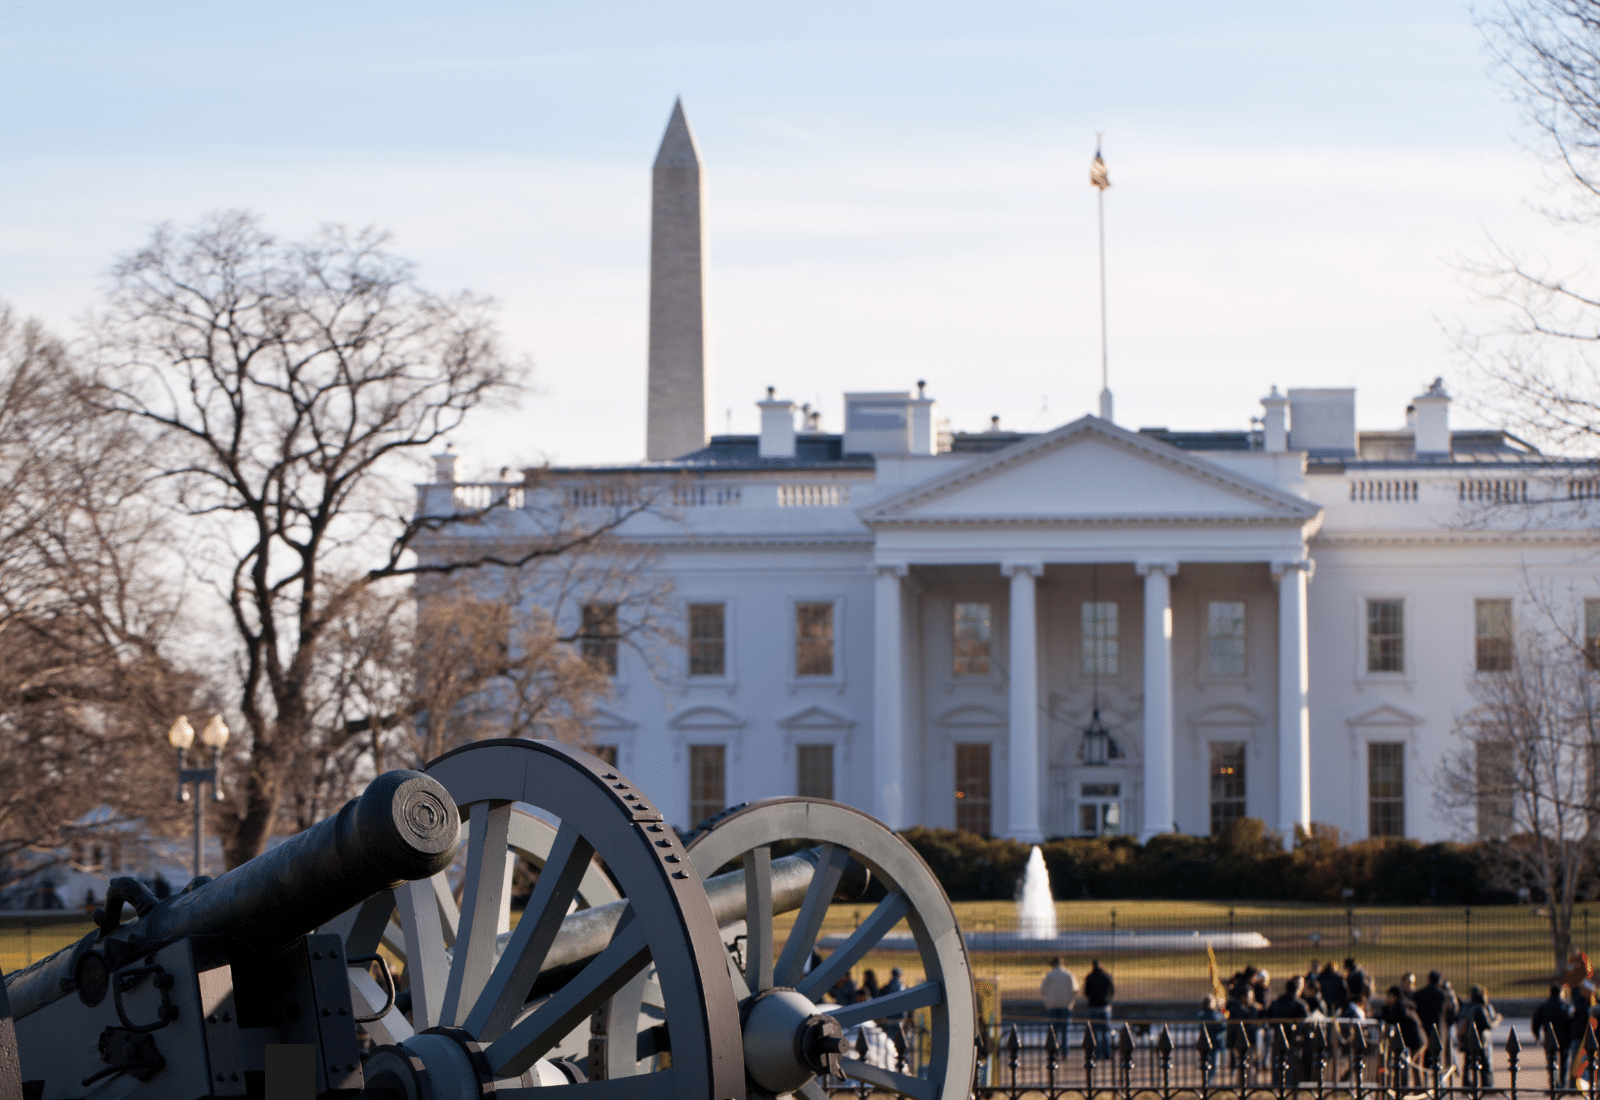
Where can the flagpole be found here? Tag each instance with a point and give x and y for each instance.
(1099, 179)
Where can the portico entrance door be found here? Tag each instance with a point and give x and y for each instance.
(1099, 809)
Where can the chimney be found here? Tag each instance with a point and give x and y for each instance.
(1323, 422)
(1433, 423)
(924, 440)
(1275, 423)
(444, 466)
(777, 426)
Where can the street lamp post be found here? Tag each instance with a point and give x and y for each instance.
(181, 737)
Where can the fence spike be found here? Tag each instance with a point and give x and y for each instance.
(1164, 1041)
(1513, 1044)
(1551, 1047)
(1241, 1042)
(1280, 1039)
(1051, 1047)
(1204, 1042)
(1589, 1043)
(1088, 1038)
(1013, 1041)
(1126, 1042)
(861, 1043)
(1474, 1042)
(1358, 1040)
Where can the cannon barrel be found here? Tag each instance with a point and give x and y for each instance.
(586, 933)
(403, 827)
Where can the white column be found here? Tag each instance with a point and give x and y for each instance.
(888, 712)
(1022, 817)
(1159, 810)
(1294, 712)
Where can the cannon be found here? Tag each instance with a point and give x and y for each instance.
(190, 998)
(644, 963)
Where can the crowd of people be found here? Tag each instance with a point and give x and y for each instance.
(1430, 1019)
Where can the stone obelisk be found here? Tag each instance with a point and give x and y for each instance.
(678, 401)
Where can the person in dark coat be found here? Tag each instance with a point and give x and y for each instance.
(1399, 1011)
(1290, 1006)
(1437, 1008)
(1480, 1015)
(1099, 989)
(1334, 992)
(1356, 982)
(1555, 1014)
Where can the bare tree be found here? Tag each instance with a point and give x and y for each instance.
(1531, 344)
(1527, 773)
(86, 619)
(286, 384)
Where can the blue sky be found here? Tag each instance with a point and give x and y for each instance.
(897, 191)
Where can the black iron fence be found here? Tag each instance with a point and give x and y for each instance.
(1250, 1060)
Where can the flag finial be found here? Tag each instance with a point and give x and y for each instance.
(1098, 176)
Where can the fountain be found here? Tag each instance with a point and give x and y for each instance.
(1037, 931)
(1036, 908)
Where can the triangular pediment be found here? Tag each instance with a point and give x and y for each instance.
(816, 718)
(1090, 470)
(1386, 714)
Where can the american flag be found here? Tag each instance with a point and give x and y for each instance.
(1097, 170)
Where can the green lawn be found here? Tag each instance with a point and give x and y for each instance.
(1504, 948)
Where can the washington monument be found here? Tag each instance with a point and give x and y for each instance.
(678, 401)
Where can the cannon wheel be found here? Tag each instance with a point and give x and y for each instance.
(746, 834)
(476, 994)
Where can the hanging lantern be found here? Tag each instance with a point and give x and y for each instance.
(1096, 742)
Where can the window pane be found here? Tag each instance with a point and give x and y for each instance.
(1591, 632)
(972, 635)
(815, 764)
(1386, 789)
(707, 639)
(813, 639)
(1100, 639)
(1496, 767)
(598, 637)
(707, 782)
(1386, 636)
(1227, 784)
(1225, 637)
(972, 789)
(1493, 635)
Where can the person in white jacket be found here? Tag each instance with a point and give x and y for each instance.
(1060, 991)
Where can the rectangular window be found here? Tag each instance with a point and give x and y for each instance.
(972, 634)
(1227, 784)
(1493, 629)
(1386, 789)
(707, 639)
(1591, 633)
(972, 789)
(1386, 640)
(1100, 655)
(598, 638)
(815, 766)
(813, 639)
(1496, 767)
(708, 782)
(1100, 809)
(1225, 637)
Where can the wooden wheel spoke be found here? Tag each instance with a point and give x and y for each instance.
(423, 930)
(888, 914)
(882, 1078)
(758, 918)
(536, 1033)
(812, 1090)
(482, 896)
(368, 996)
(907, 1000)
(365, 926)
(803, 936)
(505, 989)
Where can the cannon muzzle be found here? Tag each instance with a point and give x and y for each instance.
(403, 827)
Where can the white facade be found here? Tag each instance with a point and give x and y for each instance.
(1353, 566)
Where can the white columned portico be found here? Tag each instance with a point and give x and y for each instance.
(1294, 712)
(1159, 810)
(1022, 819)
(888, 678)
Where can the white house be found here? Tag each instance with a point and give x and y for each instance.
(1282, 623)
